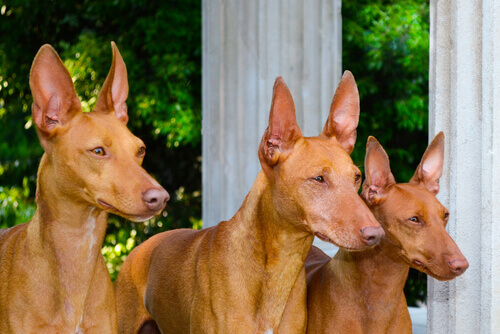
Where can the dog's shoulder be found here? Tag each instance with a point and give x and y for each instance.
(7, 233)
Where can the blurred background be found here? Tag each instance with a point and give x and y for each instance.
(385, 44)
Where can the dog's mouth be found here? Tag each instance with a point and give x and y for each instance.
(324, 238)
(419, 265)
(106, 205)
(136, 218)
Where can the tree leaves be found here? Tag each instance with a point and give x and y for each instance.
(386, 46)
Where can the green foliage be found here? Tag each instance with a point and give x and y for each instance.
(416, 288)
(15, 205)
(386, 46)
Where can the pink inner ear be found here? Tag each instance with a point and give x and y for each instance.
(52, 115)
(348, 142)
(271, 146)
(378, 170)
(121, 111)
(432, 168)
(119, 89)
(344, 113)
(53, 109)
(377, 179)
(283, 129)
(54, 97)
(373, 191)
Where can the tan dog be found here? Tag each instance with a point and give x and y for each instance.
(246, 275)
(362, 292)
(53, 278)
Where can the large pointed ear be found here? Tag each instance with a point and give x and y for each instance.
(55, 101)
(377, 171)
(344, 113)
(283, 130)
(114, 92)
(430, 168)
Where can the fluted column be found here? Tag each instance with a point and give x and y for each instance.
(465, 103)
(246, 45)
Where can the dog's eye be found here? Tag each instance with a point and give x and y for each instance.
(319, 179)
(357, 177)
(98, 151)
(414, 219)
(141, 152)
(446, 215)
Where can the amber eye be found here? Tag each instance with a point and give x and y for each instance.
(319, 179)
(98, 151)
(414, 219)
(141, 152)
(357, 177)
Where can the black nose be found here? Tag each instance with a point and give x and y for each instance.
(155, 198)
(371, 235)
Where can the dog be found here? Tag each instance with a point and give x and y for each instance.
(53, 278)
(246, 275)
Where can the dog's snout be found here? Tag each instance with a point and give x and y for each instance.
(371, 235)
(155, 198)
(458, 266)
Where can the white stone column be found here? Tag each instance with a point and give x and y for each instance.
(246, 45)
(465, 103)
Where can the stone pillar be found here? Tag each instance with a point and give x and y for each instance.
(465, 103)
(246, 45)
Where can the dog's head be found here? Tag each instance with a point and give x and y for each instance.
(413, 218)
(91, 157)
(313, 179)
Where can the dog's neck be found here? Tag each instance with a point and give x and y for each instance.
(277, 245)
(376, 274)
(68, 234)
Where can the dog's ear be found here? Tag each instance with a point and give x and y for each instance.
(55, 101)
(377, 171)
(430, 168)
(283, 130)
(114, 92)
(344, 113)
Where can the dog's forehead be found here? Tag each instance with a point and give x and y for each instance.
(316, 153)
(415, 197)
(327, 148)
(102, 126)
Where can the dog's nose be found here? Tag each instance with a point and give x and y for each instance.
(458, 266)
(155, 198)
(372, 235)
